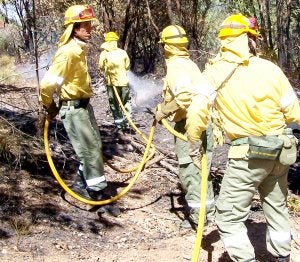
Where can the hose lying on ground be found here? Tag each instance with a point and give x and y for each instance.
(82, 199)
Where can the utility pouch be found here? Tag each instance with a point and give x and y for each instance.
(264, 147)
(288, 155)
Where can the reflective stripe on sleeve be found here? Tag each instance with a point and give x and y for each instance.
(236, 240)
(288, 99)
(184, 81)
(53, 79)
(206, 90)
(284, 237)
(95, 181)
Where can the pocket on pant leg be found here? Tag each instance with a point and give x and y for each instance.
(223, 211)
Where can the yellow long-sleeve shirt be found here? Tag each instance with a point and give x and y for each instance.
(114, 63)
(183, 81)
(68, 75)
(256, 100)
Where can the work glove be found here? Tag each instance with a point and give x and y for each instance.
(164, 109)
(195, 152)
(159, 115)
(52, 110)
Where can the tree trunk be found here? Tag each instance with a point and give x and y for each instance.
(265, 26)
(283, 12)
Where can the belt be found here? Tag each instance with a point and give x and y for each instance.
(245, 140)
(77, 103)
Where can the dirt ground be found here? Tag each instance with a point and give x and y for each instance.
(40, 222)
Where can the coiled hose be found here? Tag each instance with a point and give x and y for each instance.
(82, 199)
(138, 169)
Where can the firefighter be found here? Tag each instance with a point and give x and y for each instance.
(256, 102)
(114, 63)
(68, 77)
(183, 80)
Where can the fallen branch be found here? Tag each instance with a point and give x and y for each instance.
(154, 160)
(169, 167)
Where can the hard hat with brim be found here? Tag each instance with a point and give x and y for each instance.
(79, 13)
(173, 34)
(111, 36)
(75, 14)
(236, 25)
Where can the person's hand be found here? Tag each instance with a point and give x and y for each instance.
(195, 152)
(52, 111)
(159, 114)
(165, 109)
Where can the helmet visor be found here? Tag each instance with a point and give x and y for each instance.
(87, 13)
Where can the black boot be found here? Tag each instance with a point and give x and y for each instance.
(112, 208)
(79, 185)
(188, 224)
(96, 195)
(81, 191)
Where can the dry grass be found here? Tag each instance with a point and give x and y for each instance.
(16, 147)
(7, 73)
(294, 204)
(20, 225)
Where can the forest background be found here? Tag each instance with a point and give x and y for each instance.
(29, 29)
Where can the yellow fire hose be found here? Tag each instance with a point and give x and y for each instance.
(138, 169)
(172, 130)
(80, 198)
(137, 130)
(196, 251)
(204, 175)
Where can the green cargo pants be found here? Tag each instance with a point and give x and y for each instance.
(118, 115)
(190, 175)
(242, 180)
(83, 132)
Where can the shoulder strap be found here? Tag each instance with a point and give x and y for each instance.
(228, 77)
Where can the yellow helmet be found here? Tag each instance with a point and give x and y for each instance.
(79, 13)
(173, 34)
(236, 25)
(111, 36)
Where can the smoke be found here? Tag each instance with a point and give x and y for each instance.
(147, 91)
(28, 70)
(45, 61)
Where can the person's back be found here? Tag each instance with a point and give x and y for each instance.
(114, 64)
(256, 102)
(182, 82)
(257, 91)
